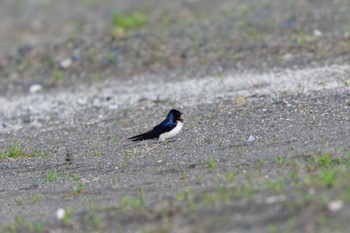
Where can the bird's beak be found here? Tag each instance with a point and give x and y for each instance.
(181, 119)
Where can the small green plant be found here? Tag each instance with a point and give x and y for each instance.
(345, 81)
(183, 194)
(47, 60)
(34, 226)
(75, 177)
(94, 207)
(37, 152)
(15, 150)
(260, 163)
(216, 180)
(198, 179)
(57, 75)
(117, 139)
(327, 177)
(277, 185)
(229, 176)
(300, 38)
(128, 202)
(293, 175)
(243, 191)
(324, 160)
(128, 21)
(67, 215)
(248, 30)
(19, 221)
(19, 200)
(51, 175)
(211, 162)
(109, 55)
(96, 77)
(34, 197)
(78, 189)
(245, 114)
(97, 152)
(280, 160)
(187, 196)
(220, 78)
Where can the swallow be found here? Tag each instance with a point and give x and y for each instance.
(168, 128)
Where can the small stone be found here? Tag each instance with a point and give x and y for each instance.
(317, 33)
(35, 88)
(275, 199)
(251, 139)
(60, 213)
(118, 32)
(66, 63)
(335, 205)
(240, 101)
(82, 101)
(287, 57)
(76, 57)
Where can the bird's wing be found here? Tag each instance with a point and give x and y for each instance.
(148, 135)
(163, 127)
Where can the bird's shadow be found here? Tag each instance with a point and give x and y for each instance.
(146, 143)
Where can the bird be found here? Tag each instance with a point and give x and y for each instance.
(168, 128)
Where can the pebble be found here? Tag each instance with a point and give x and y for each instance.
(251, 139)
(317, 33)
(35, 88)
(240, 101)
(76, 57)
(287, 56)
(275, 199)
(82, 101)
(335, 205)
(66, 63)
(60, 213)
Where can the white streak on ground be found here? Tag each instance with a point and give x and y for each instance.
(65, 104)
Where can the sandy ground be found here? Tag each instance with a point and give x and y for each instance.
(266, 101)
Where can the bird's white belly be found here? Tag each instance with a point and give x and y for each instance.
(172, 133)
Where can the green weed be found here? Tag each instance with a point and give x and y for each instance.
(280, 160)
(324, 160)
(128, 202)
(327, 177)
(128, 21)
(34, 197)
(229, 176)
(15, 150)
(78, 189)
(75, 177)
(211, 162)
(97, 152)
(68, 212)
(51, 175)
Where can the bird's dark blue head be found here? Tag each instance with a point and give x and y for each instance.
(175, 115)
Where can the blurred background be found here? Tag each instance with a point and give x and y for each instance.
(63, 43)
(263, 84)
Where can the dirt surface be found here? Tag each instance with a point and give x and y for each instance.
(264, 87)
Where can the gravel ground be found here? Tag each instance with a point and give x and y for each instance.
(264, 86)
